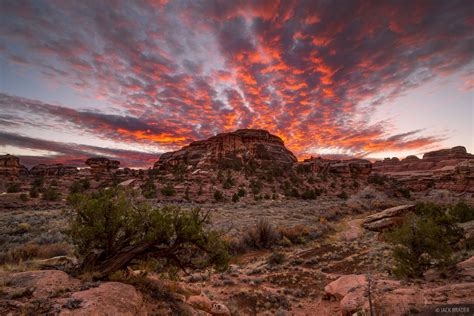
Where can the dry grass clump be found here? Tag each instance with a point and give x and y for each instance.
(30, 251)
(262, 236)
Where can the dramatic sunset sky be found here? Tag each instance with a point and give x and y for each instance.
(133, 79)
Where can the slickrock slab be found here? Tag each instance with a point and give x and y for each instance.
(388, 218)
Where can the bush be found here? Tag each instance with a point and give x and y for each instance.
(109, 230)
(262, 235)
(343, 195)
(310, 194)
(79, 186)
(235, 198)
(34, 192)
(218, 195)
(13, 187)
(294, 234)
(426, 239)
(168, 190)
(50, 194)
(149, 189)
(241, 192)
(256, 186)
(276, 258)
(229, 182)
(377, 178)
(38, 182)
(23, 197)
(405, 192)
(462, 212)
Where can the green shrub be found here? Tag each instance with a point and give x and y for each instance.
(218, 195)
(168, 190)
(38, 182)
(34, 192)
(148, 189)
(109, 229)
(256, 186)
(310, 194)
(23, 197)
(13, 187)
(235, 198)
(405, 192)
(376, 178)
(426, 239)
(276, 258)
(241, 192)
(303, 169)
(79, 186)
(462, 212)
(343, 195)
(228, 183)
(51, 194)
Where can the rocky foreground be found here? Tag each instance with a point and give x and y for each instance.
(329, 273)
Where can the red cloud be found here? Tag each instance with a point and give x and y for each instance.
(183, 72)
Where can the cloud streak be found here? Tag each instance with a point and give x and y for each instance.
(312, 72)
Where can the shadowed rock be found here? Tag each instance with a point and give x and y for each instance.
(10, 166)
(102, 165)
(53, 170)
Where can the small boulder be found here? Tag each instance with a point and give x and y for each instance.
(345, 284)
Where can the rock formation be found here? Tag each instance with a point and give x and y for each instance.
(449, 169)
(10, 166)
(389, 218)
(53, 170)
(233, 149)
(102, 165)
(343, 168)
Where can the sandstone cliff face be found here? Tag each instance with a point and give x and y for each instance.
(449, 169)
(102, 165)
(10, 166)
(231, 149)
(343, 168)
(53, 170)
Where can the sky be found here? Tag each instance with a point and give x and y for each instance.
(130, 80)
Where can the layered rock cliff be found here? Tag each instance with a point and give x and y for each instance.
(102, 165)
(342, 168)
(53, 170)
(10, 166)
(233, 149)
(449, 169)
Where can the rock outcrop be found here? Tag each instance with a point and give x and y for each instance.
(234, 150)
(110, 298)
(343, 168)
(53, 170)
(448, 169)
(102, 165)
(388, 218)
(391, 297)
(10, 166)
